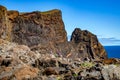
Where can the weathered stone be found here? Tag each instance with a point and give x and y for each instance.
(50, 71)
(3, 22)
(87, 45)
(37, 27)
(14, 59)
(110, 61)
(12, 14)
(111, 72)
(26, 73)
(45, 63)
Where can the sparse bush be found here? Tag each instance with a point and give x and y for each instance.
(87, 64)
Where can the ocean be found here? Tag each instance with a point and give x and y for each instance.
(113, 51)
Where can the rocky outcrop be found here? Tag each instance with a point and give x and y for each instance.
(31, 29)
(45, 32)
(3, 22)
(34, 28)
(87, 45)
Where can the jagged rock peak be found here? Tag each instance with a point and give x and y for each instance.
(88, 43)
(79, 35)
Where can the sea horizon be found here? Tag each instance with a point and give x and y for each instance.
(113, 51)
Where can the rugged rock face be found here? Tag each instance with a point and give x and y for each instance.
(87, 44)
(3, 22)
(45, 32)
(37, 27)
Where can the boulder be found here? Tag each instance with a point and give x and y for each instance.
(50, 71)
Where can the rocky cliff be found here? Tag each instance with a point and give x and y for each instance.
(34, 46)
(45, 32)
(87, 45)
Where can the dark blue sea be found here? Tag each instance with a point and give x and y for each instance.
(113, 51)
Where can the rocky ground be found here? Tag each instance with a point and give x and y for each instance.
(18, 62)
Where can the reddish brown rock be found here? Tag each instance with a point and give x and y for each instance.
(12, 14)
(26, 73)
(87, 45)
(37, 27)
(3, 21)
(50, 71)
(5, 26)
(32, 28)
(110, 61)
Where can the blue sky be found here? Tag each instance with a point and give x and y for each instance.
(101, 17)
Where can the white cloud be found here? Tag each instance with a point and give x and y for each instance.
(69, 37)
(105, 41)
(109, 41)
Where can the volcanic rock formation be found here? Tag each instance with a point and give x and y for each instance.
(34, 46)
(87, 44)
(45, 32)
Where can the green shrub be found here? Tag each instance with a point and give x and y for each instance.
(87, 64)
